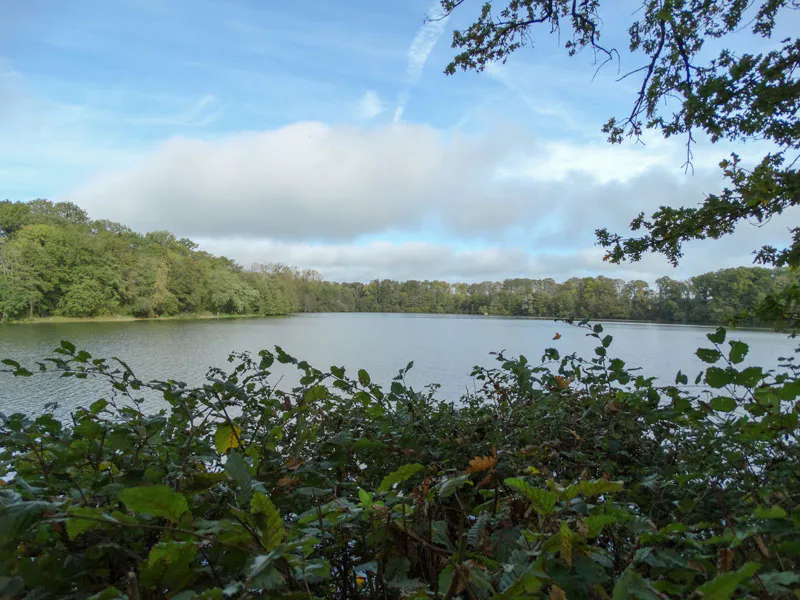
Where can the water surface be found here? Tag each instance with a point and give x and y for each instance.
(444, 348)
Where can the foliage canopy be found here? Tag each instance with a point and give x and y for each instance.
(686, 86)
(55, 261)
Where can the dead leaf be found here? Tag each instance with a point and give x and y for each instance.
(557, 336)
(762, 547)
(724, 560)
(573, 432)
(288, 482)
(294, 464)
(561, 382)
(486, 480)
(483, 463)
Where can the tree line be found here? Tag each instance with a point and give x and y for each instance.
(55, 260)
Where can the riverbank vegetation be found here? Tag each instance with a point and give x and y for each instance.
(56, 262)
(570, 479)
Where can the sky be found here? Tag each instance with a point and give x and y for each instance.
(325, 135)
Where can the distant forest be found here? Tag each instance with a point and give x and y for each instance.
(55, 261)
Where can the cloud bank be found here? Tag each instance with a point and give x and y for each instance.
(410, 201)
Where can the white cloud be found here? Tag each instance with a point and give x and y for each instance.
(309, 192)
(415, 260)
(443, 261)
(370, 105)
(424, 41)
(420, 49)
(601, 161)
(400, 109)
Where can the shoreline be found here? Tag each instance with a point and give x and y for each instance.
(55, 320)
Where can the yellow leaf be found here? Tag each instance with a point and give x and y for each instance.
(556, 593)
(561, 382)
(227, 437)
(482, 463)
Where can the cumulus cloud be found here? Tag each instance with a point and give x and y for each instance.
(443, 261)
(311, 194)
(313, 181)
(414, 260)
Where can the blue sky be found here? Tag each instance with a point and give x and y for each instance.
(324, 134)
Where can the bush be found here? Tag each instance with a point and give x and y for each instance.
(569, 479)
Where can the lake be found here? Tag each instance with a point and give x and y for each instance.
(444, 348)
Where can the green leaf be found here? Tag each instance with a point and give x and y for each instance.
(633, 585)
(565, 546)
(591, 489)
(156, 500)
(708, 355)
(723, 403)
(268, 520)
(363, 378)
(399, 476)
(718, 378)
(11, 586)
(317, 570)
(227, 437)
(19, 517)
(778, 584)
(750, 377)
(446, 577)
(773, 512)
(542, 501)
(110, 593)
(738, 352)
(77, 525)
(452, 485)
(238, 470)
(365, 498)
(68, 346)
(723, 586)
(261, 564)
(169, 565)
(474, 533)
(98, 406)
(718, 337)
(596, 523)
(525, 587)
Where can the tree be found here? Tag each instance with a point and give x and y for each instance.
(734, 96)
(13, 215)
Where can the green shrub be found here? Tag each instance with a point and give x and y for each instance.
(573, 478)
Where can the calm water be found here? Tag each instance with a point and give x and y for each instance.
(444, 348)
